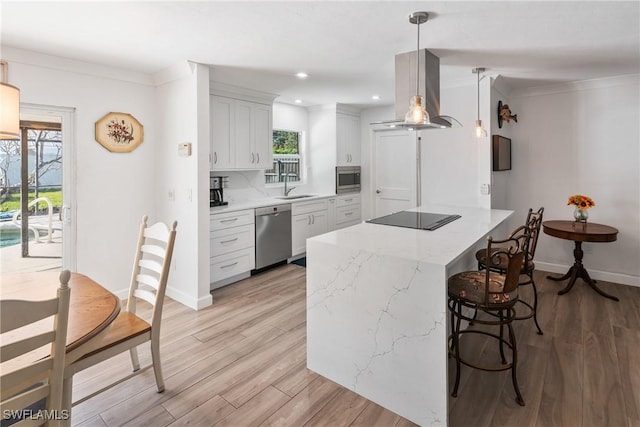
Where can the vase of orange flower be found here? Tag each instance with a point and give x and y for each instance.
(582, 204)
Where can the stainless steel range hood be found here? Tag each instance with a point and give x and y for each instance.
(406, 69)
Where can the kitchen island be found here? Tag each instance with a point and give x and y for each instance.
(377, 307)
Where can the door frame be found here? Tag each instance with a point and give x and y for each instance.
(69, 228)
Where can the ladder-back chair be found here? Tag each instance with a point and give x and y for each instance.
(26, 383)
(148, 283)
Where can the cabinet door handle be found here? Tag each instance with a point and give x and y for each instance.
(348, 213)
(347, 158)
(229, 265)
(228, 241)
(252, 158)
(313, 219)
(228, 220)
(347, 200)
(309, 220)
(215, 158)
(258, 157)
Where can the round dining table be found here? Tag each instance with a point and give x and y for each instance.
(580, 232)
(92, 308)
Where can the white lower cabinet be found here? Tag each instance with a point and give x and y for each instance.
(308, 219)
(231, 264)
(347, 210)
(232, 246)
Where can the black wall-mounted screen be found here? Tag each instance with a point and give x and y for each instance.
(501, 153)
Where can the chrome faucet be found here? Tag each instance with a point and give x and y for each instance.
(286, 190)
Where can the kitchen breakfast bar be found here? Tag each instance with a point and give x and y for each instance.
(377, 307)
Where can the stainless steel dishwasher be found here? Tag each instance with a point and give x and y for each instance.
(273, 235)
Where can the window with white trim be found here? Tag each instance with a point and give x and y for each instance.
(287, 159)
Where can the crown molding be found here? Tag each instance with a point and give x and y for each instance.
(243, 93)
(605, 82)
(42, 60)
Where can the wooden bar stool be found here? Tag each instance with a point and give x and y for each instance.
(534, 221)
(492, 293)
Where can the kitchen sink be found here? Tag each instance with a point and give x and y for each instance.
(295, 196)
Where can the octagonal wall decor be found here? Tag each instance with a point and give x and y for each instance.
(119, 132)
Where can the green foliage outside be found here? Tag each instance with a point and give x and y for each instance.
(285, 142)
(12, 202)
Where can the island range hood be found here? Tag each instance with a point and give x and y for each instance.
(429, 88)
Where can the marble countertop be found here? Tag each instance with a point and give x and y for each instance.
(441, 246)
(267, 201)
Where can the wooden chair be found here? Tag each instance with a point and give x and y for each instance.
(26, 382)
(148, 282)
(494, 294)
(534, 222)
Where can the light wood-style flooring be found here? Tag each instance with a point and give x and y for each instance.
(241, 362)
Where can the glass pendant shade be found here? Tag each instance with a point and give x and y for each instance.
(9, 112)
(480, 132)
(417, 114)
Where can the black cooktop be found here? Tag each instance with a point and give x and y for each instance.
(419, 220)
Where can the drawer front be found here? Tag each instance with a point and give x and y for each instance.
(347, 214)
(306, 207)
(231, 219)
(232, 239)
(228, 265)
(347, 200)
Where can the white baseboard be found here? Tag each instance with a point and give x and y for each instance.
(595, 274)
(180, 297)
(187, 300)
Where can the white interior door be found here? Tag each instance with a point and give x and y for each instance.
(394, 182)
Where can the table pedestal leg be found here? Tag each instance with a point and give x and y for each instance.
(576, 271)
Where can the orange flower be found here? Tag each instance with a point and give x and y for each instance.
(582, 202)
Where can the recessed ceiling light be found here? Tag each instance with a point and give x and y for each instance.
(302, 75)
(298, 101)
(375, 97)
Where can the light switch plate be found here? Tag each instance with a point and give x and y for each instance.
(184, 149)
(485, 189)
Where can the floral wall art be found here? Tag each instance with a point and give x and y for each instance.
(119, 132)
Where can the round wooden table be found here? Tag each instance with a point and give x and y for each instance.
(92, 308)
(580, 232)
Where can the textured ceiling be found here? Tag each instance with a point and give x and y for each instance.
(347, 47)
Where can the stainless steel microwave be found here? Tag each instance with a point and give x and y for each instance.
(347, 179)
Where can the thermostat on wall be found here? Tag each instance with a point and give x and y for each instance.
(184, 149)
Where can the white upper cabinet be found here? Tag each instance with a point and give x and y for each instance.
(347, 140)
(253, 135)
(222, 133)
(241, 131)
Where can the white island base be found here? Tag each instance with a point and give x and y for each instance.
(377, 308)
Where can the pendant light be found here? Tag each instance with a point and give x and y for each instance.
(417, 113)
(9, 107)
(480, 132)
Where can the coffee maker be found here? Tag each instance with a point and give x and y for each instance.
(216, 192)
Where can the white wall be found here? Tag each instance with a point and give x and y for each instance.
(581, 138)
(182, 183)
(453, 161)
(500, 179)
(114, 190)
